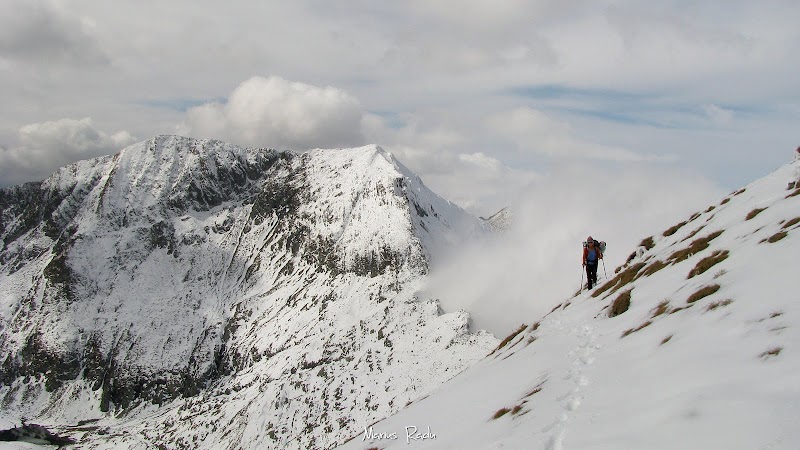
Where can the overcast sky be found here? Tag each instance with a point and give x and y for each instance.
(615, 118)
(483, 98)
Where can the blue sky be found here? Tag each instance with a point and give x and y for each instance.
(484, 99)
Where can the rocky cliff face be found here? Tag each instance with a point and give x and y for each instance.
(194, 293)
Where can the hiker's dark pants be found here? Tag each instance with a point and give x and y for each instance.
(591, 273)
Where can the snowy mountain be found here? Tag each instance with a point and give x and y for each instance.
(694, 343)
(501, 220)
(193, 294)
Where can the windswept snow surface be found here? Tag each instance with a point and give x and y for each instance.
(193, 294)
(718, 372)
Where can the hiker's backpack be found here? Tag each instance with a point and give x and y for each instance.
(600, 244)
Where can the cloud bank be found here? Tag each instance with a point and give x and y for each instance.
(274, 112)
(44, 147)
(519, 276)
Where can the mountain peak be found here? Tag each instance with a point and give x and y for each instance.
(181, 274)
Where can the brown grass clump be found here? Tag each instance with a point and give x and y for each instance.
(693, 233)
(628, 261)
(777, 237)
(666, 339)
(536, 390)
(719, 304)
(622, 279)
(510, 337)
(500, 413)
(647, 243)
(740, 191)
(708, 262)
(621, 304)
(516, 409)
(725, 201)
(672, 230)
(710, 208)
(694, 216)
(703, 292)
(654, 267)
(660, 309)
(795, 193)
(794, 221)
(754, 213)
(697, 245)
(771, 352)
(634, 330)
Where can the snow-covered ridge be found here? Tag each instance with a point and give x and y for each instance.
(225, 296)
(501, 220)
(693, 343)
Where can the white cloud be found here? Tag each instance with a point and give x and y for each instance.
(273, 112)
(520, 276)
(44, 147)
(534, 131)
(481, 160)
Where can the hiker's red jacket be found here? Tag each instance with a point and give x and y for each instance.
(586, 253)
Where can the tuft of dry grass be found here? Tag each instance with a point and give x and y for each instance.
(628, 261)
(622, 279)
(754, 213)
(536, 390)
(634, 330)
(535, 326)
(654, 267)
(508, 338)
(693, 233)
(708, 262)
(726, 200)
(666, 339)
(719, 304)
(673, 229)
(740, 191)
(795, 193)
(621, 304)
(694, 216)
(500, 413)
(777, 237)
(660, 309)
(710, 208)
(697, 245)
(794, 221)
(703, 292)
(648, 243)
(720, 273)
(516, 409)
(775, 351)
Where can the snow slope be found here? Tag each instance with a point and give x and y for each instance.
(193, 294)
(671, 371)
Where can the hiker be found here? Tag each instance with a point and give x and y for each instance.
(591, 258)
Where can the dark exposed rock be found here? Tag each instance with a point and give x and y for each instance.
(35, 434)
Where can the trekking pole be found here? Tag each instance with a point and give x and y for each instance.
(581, 288)
(604, 268)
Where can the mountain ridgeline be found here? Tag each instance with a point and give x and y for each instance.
(226, 297)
